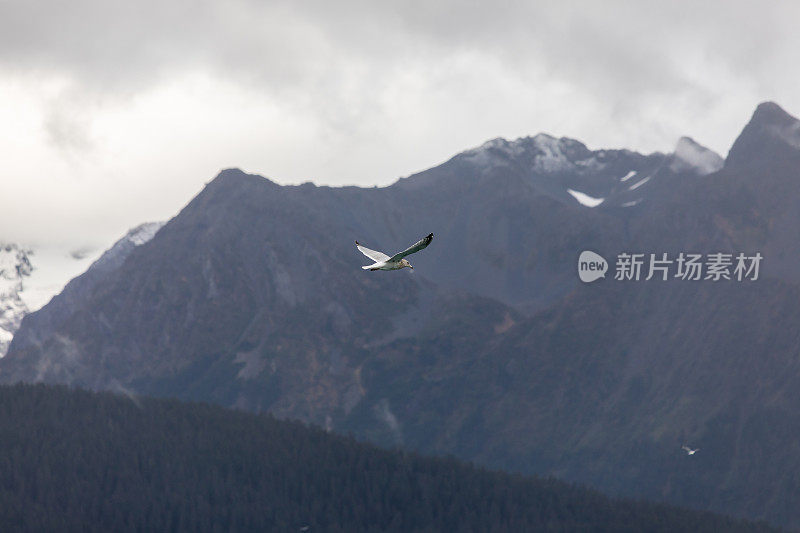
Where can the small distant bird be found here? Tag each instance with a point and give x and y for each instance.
(397, 261)
(690, 451)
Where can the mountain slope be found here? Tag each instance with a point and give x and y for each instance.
(589, 391)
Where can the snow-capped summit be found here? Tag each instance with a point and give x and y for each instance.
(555, 155)
(15, 265)
(691, 156)
(566, 170)
(569, 172)
(29, 278)
(114, 256)
(543, 153)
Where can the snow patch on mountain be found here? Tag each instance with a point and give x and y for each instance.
(15, 265)
(114, 256)
(544, 154)
(143, 233)
(639, 183)
(552, 157)
(585, 199)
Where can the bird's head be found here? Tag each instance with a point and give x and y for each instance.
(405, 263)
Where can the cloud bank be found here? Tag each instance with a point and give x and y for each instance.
(116, 113)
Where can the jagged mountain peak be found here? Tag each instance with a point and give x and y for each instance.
(228, 175)
(772, 113)
(551, 152)
(541, 155)
(232, 186)
(561, 169)
(769, 133)
(234, 179)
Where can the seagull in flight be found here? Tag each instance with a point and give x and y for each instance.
(397, 261)
(690, 451)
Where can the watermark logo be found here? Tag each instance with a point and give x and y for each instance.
(631, 266)
(591, 266)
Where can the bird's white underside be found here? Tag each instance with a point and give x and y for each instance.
(690, 451)
(397, 261)
(383, 265)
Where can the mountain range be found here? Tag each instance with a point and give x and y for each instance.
(492, 349)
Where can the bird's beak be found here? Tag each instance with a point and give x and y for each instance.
(412, 268)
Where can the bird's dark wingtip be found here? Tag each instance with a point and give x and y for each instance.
(357, 244)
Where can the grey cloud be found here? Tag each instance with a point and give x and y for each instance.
(67, 123)
(367, 91)
(610, 47)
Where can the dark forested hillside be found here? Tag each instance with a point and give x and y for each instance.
(80, 461)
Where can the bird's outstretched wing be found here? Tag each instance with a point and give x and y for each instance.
(413, 249)
(376, 256)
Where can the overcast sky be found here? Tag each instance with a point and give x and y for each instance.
(116, 113)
